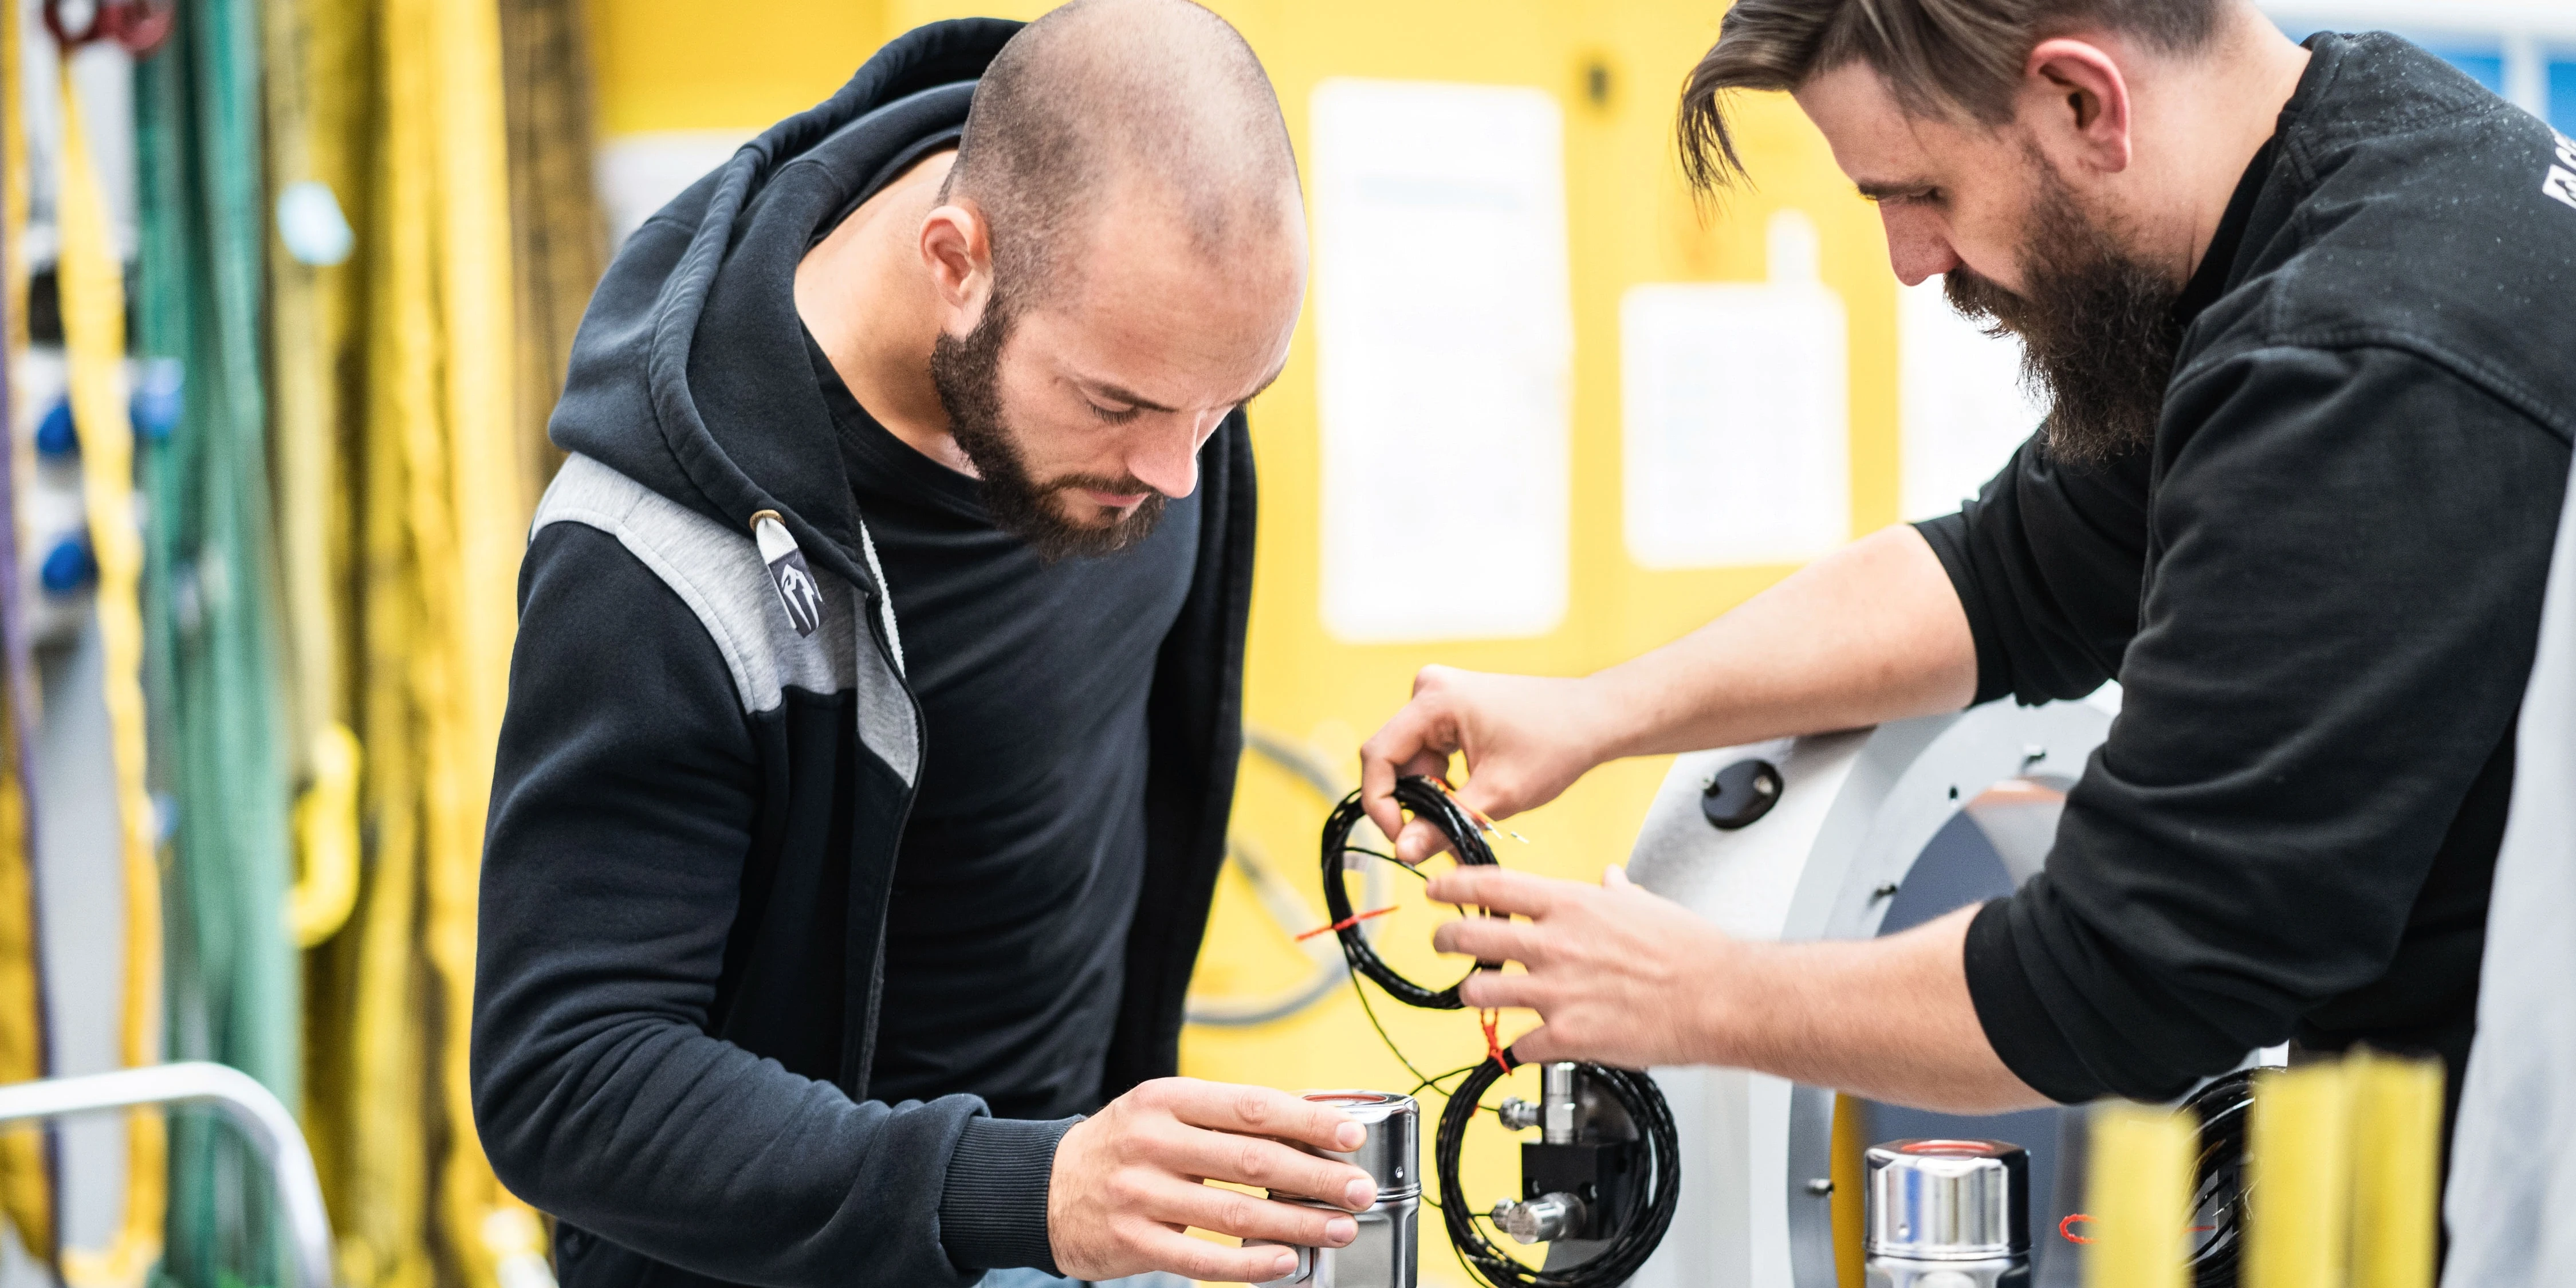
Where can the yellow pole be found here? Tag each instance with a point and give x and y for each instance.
(2298, 1178)
(93, 304)
(26, 1190)
(2396, 1169)
(2139, 1186)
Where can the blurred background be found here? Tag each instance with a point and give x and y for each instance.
(318, 263)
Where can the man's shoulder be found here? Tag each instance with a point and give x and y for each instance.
(2424, 215)
(716, 573)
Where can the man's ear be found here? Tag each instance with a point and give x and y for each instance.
(2075, 103)
(957, 248)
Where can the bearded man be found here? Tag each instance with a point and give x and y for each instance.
(2306, 313)
(877, 697)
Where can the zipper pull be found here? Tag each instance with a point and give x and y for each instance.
(788, 571)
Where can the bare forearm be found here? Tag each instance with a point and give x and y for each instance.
(1890, 1019)
(1870, 633)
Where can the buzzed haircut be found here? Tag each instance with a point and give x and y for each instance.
(1159, 98)
(1941, 58)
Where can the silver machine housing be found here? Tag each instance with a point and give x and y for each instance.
(1388, 1250)
(1946, 1214)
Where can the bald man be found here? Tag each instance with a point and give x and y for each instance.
(873, 722)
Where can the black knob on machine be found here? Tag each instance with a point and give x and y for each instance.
(1741, 794)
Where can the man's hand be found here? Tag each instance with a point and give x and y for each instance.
(1526, 739)
(1623, 977)
(1129, 1180)
(1620, 976)
(1869, 633)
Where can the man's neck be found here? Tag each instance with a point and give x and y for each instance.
(865, 297)
(2239, 101)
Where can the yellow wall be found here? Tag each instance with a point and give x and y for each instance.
(689, 64)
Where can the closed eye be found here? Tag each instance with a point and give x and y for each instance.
(1113, 415)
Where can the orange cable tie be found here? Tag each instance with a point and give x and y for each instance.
(1346, 923)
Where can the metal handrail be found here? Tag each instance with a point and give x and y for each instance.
(249, 1105)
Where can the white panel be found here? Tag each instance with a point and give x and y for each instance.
(1735, 414)
(638, 174)
(1961, 407)
(1445, 351)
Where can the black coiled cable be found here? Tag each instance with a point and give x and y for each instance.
(1624, 1252)
(1428, 800)
(2218, 1179)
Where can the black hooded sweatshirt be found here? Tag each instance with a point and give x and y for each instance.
(710, 749)
(2320, 589)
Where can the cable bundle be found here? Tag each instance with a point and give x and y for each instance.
(2218, 1180)
(1638, 1097)
(1428, 800)
(1622, 1254)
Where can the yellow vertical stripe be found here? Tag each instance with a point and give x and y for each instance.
(2298, 1167)
(2396, 1169)
(2139, 1186)
(93, 304)
(26, 1192)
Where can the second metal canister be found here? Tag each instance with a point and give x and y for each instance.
(1386, 1253)
(1947, 1214)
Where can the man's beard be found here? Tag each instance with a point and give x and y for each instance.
(2097, 328)
(968, 375)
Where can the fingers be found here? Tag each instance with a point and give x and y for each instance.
(1538, 1046)
(1615, 877)
(1488, 989)
(1253, 1160)
(1492, 939)
(1420, 841)
(1250, 1216)
(1162, 1249)
(1256, 1111)
(1420, 735)
(1504, 890)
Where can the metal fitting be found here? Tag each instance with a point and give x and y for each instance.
(1544, 1219)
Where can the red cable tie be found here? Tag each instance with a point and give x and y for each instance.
(2066, 1232)
(1346, 923)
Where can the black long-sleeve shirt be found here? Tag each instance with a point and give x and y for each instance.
(2320, 590)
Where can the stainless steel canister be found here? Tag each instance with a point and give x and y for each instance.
(1388, 1247)
(1947, 1214)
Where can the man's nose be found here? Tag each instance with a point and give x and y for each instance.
(1168, 459)
(1916, 246)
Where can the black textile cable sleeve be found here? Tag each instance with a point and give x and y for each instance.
(1625, 1251)
(1429, 801)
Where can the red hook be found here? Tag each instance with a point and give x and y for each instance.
(140, 26)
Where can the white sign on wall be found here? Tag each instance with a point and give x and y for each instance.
(1736, 422)
(1445, 351)
(1961, 406)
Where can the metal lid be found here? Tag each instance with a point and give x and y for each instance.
(1947, 1200)
(1391, 1154)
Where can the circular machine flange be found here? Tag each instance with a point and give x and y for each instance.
(1854, 813)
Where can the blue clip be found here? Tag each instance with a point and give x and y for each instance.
(55, 434)
(68, 566)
